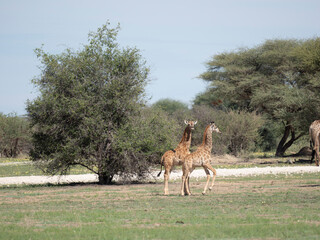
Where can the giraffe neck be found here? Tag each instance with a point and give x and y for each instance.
(207, 139)
(186, 138)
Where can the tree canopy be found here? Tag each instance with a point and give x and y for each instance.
(88, 98)
(170, 106)
(279, 78)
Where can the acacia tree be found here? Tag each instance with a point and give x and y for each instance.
(87, 99)
(279, 78)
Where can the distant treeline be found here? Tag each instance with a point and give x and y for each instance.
(14, 136)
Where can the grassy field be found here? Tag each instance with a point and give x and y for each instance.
(12, 167)
(264, 207)
(30, 170)
(10, 160)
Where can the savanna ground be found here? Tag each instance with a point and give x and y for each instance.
(11, 167)
(260, 207)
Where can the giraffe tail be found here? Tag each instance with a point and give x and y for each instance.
(161, 163)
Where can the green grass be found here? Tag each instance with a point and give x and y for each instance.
(260, 155)
(30, 170)
(19, 170)
(10, 160)
(12, 167)
(265, 207)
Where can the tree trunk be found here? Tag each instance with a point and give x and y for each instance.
(283, 144)
(15, 150)
(105, 178)
(280, 149)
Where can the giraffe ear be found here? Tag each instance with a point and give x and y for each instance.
(195, 122)
(186, 122)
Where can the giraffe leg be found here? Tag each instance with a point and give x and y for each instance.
(208, 179)
(214, 175)
(187, 188)
(317, 156)
(183, 184)
(166, 180)
(188, 182)
(186, 185)
(316, 149)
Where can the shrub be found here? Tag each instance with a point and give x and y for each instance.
(14, 135)
(151, 134)
(170, 106)
(239, 129)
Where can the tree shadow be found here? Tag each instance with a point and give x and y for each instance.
(311, 185)
(77, 184)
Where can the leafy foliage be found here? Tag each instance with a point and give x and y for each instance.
(142, 140)
(14, 135)
(279, 79)
(170, 106)
(88, 98)
(239, 129)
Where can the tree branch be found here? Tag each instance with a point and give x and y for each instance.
(81, 164)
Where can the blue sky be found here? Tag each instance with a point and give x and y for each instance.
(176, 37)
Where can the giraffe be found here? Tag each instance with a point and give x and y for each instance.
(314, 132)
(200, 158)
(174, 157)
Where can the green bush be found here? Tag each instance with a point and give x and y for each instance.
(170, 106)
(239, 129)
(268, 136)
(151, 134)
(14, 135)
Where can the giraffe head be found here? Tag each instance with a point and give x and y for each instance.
(214, 128)
(190, 123)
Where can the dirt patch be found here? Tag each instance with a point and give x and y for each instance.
(226, 160)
